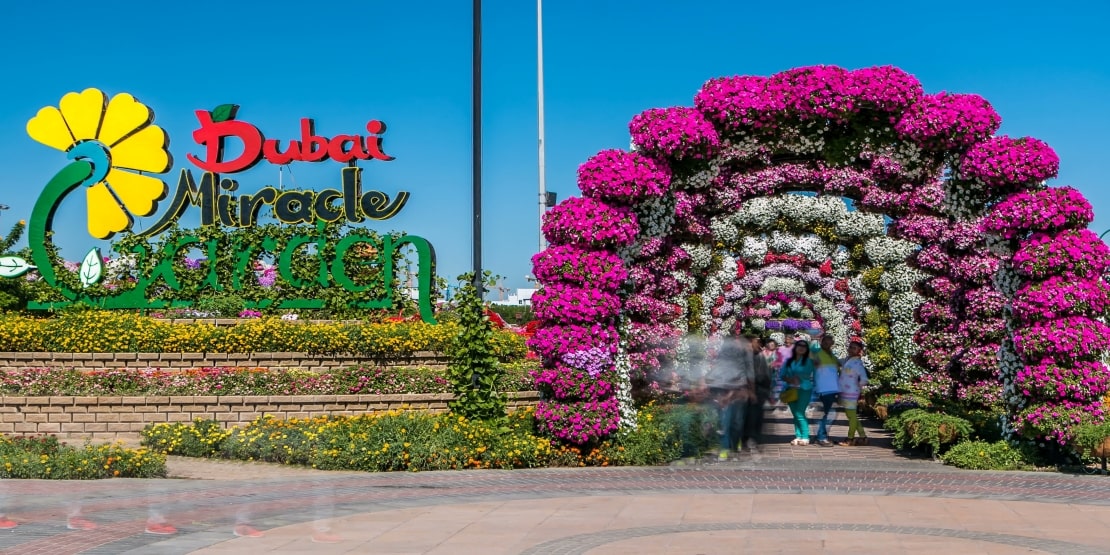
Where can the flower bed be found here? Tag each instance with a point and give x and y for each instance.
(405, 440)
(46, 457)
(243, 381)
(97, 331)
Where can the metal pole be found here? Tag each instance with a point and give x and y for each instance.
(539, 106)
(477, 145)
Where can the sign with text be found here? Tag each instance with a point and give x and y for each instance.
(115, 151)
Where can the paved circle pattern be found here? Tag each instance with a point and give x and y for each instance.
(582, 543)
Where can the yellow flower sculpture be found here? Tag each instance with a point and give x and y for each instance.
(131, 143)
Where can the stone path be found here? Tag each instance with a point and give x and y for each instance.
(789, 500)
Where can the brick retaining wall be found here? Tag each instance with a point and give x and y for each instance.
(111, 418)
(273, 361)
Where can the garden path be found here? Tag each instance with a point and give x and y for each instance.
(790, 500)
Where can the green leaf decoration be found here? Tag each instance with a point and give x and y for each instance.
(92, 268)
(224, 112)
(13, 266)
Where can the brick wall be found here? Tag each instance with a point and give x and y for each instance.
(111, 418)
(274, 361)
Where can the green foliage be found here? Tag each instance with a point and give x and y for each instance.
(473, 372)
(691, 424)
(1086, 437)
(45, 457)
(920, 428)
(221, 305)
(983, 455)
(202, 439)
(14, 292)
(897, 403)
(662, 434)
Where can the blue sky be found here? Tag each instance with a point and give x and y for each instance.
(1043, 66)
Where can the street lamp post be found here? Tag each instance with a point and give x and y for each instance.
(476, 139)
(539, 112)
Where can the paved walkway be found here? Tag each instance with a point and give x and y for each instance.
(789, 500)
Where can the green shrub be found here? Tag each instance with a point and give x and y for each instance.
(656, 440)
(474, 372)
(982, 455)
(920, 428)
(221, 304)
(691, 424)
(897, 403)
(1086, 437)
(45, 457)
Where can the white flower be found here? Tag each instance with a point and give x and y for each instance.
(724, 230)
(902, 278)
(860, 224)
(754, 249)
(701, 255)
(885, 251)
(626, 406)
(699, 180)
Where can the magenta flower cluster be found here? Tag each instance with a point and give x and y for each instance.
(571, 264)
(1061, 296)
(1071, 338)
(1078, 381)
(569, 304)
(1077, 253)
(569, 383)
(1001, 162)
(678, 133)
(552, 341)
(815, 92)
(1045, 211)
(589, 223)
(622, 177)
(949, 121)
(580, 422)
(1054, 421)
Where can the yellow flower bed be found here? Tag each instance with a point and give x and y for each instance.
(96, 331)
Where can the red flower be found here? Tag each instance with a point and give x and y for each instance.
(826, 268)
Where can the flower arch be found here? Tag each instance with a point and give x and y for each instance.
(952, 256)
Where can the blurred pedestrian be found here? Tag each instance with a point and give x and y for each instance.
(853, 377)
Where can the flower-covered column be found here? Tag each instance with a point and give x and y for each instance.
(1053, 369)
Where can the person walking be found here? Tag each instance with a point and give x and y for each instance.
(729, 382)
(853, 376)
(826, 385)
(797, 372)
(762, 383)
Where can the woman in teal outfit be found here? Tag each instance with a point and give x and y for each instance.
(797, 372)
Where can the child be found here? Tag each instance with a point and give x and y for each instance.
(853, 376)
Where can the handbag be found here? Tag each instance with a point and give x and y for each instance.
(789, 395)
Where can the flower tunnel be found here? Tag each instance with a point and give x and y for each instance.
(849, 199)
